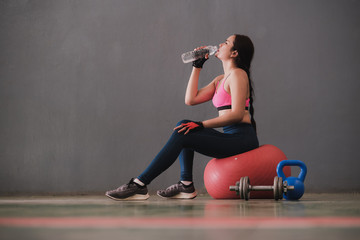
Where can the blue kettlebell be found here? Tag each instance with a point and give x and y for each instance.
(297, 182)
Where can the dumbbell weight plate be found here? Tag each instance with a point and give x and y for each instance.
(276, 188)
(281, 188)
(237, 188)
(246, 190)
(241, 188)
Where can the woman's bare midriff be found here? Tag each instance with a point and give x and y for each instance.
(246, 118)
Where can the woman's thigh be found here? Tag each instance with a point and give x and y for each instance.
(213, 143)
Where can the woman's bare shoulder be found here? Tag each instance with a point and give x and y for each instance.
(240, 73)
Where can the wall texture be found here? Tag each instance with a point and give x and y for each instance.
(90, 90)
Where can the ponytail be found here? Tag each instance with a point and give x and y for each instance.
(245, 49)
(252, 111)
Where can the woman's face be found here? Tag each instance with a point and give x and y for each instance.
(225, 51)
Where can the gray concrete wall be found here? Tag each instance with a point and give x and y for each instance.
(90, 90)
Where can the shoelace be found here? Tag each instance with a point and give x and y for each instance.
(121, 187)
(172, 187)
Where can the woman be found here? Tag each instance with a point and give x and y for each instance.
(231, 94)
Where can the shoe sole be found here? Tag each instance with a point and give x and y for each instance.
(181, 196)
(136, 197)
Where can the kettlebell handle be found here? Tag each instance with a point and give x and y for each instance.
(298, 163)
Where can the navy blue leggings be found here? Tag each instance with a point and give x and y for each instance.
(236, 139)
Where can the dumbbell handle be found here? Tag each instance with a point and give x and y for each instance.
(253, 188)
(267, 188)
(260, 188)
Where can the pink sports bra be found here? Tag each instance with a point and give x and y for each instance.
(222, 99)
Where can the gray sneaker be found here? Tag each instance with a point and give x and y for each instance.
(130, 191)
(178, 191)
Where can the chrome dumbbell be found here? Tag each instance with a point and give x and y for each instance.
(243, 188)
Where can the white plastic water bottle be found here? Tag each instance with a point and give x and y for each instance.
(196, 54)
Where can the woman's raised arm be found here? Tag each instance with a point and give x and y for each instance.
(195, 96)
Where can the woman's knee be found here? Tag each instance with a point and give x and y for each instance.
(176, 133)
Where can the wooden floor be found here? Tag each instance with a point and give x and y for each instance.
(315, 216)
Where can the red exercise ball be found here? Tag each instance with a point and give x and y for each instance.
(258, 164)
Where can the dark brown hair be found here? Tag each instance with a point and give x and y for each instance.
(245, 48)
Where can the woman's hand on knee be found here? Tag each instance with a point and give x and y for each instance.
(190, 126)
